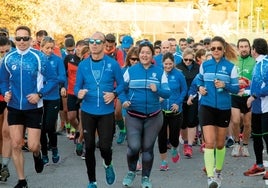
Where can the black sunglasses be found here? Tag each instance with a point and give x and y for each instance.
(219, 48)
(191, 60)
(96, 41)
(27, 38)
(134, 59)
(206, 43)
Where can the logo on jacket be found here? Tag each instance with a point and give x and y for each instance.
(14, 67)
(223, 70)
(109, 67)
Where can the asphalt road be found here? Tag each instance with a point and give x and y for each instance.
(71, 172)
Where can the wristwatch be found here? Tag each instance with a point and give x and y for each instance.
(115, 94)
(40, 95)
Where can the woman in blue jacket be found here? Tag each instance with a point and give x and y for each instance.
(218, 78)
(145, 83)
(172, 110)
(51, 103)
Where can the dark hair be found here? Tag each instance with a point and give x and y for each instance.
(230, 52)
(69, 36)
(242, 40)
(26, 28)
(260, 46)
(146, 43)
(168, 55)
(69, 42)
(182, 40)
(82, 43)
(132, 51)
(41, 33)
(199, 53)
(157, 43)
(4, 41)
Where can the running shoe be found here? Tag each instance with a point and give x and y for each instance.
(185, 147)
(175, 156)
(110, 174)
(244, 151)
(45, 160)
(229, 143)
(265, 177)
(145, 182)
(92, 185)
(255, 170)
(189, 152)
(121, 137)
(4, 173)
(236, 150)
(79, 149)
(129, 178)
(164, 166)
(212, 183)
(38, 163)
(21, 184)
(55, 155)
(218, 177)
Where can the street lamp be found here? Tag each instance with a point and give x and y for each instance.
(258, 10)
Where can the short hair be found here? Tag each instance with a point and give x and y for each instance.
(168, 55)
(69, 42)
(41, 33)
(4, 41)
(260, 46)
(23, 27)
(157, 43)
(69, 36)
(146, 43)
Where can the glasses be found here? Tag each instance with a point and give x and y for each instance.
(145, 42)
(134, 59)
(26, 38)
(96, 41)
(190, 60)
(206, 43)
(3, 34)
(219, 48)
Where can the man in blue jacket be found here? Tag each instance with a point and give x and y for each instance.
(22, 84)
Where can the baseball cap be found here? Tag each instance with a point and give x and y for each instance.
(110, 37)
(190, 39)
(127, 41)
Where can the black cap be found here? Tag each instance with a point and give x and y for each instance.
(207, 40)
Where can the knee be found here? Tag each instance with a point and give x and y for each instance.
(17, 144)
(34, 147)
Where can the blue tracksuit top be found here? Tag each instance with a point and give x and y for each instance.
(225, 71)
(98, 77)
(58, 67)
(178, 88)
(137, 88)
(26, 72)
(259, 84)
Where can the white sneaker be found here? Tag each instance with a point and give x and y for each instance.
(217, 177)
(212, 183)
(236, 150)
(244, 151)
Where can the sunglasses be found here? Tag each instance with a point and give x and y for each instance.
(96, 41)
(190, 60)
(27, 38)
(219, 48)
(134, 59)
(206, 43)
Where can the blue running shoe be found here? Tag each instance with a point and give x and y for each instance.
(55, 155)
(129, 178)
(92, 185)
(145, 182)
(110, 174)
(45, 160)
(121, 138)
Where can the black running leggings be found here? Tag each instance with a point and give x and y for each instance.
(104, 124)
